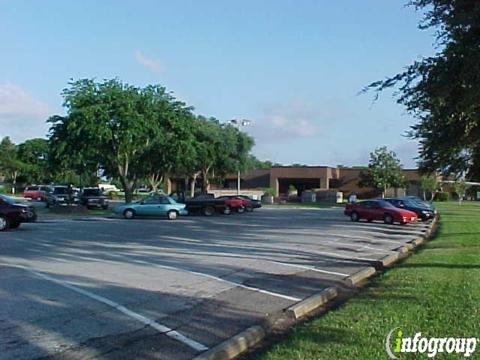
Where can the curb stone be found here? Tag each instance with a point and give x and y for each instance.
(360, 276)
(234, 346)
(312, 303)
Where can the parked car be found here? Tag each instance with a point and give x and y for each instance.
(29, 216)
(93, 197)
(11, 215)
(36, 192)
(235, 203)
(57, 195)
(205, 204)
(379, 210)
(421, 202)
(254, 203)
(152, 205)
(418, 208)
(107, 188)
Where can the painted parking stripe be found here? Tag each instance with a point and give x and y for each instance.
(157, 326)
(235, 255)
(174, 268)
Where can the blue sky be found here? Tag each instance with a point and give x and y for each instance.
(293, 68)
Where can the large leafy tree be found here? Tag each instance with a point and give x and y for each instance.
(172, 149)
(112, 125)
(443, 91)
(384, 171)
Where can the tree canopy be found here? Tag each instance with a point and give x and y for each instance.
(443, 91)
(384, 171)
(141, 134)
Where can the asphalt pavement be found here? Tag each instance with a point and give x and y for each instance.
(159, 289)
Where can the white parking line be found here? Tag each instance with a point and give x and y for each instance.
(174, 268)
(216, 253)
(157, 326)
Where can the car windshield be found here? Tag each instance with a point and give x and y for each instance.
(60, 191)
(31, 188)
(92, 192)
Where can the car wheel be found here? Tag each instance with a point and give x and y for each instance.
(172, 215)
(33, 217)
(388, 219)
(105, 207)
(3, 223)
(39, 199)
(369, 220)
(354, 216)
(227, 210)
(129, 214)
(241, 210)
(208, 210)
(249, 208)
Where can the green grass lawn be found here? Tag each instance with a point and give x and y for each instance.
(436, 292)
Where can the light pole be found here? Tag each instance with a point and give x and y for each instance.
(238, 124)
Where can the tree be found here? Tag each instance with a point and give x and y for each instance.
(384, 171)
(34, 154)
(429, 184)
(459, 187)
(112, 124)
(443, 91)
(170, 152)
(10, 164)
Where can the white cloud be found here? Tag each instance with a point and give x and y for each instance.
(21, 115)
(295, 118)
(151, 64)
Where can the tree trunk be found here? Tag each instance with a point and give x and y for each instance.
(14, 182)
(424, 196)
(155, 180)
(192, 184)
(128, 189)
(206, 181)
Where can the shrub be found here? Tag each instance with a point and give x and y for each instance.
(442, 196)
(268, 192)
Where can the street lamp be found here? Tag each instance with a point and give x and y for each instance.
(238, 124)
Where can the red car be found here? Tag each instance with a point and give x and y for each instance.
(379, 210)
(36, 192)
(233, 203)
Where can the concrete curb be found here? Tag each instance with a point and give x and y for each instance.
(234, 346)
(360, 276)
(312, 303)
(391, 259)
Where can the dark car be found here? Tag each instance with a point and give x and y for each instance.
(205, 204)
(93, 197)
(423, 212)
(379, 210)
(11, 215)
(29, 216)
(254, 203)
(57, 195)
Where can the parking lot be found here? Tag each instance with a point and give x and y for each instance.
(115, 288)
